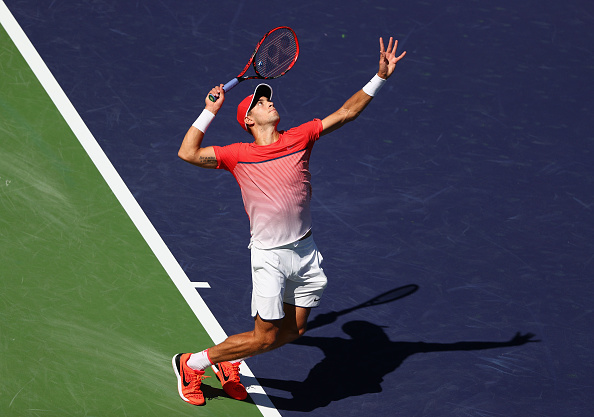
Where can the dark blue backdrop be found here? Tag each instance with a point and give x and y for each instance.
(469, 176)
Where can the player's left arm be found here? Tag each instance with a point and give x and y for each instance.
(353, 107)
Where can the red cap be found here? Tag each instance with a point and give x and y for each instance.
(262, 90)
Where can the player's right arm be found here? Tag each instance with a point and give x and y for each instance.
(191, 149)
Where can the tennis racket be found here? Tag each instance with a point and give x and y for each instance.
(275, 54)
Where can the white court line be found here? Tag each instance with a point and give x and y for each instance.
(81, 131)
(201, 285)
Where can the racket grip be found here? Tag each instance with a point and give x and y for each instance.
(230, 84)
(226, 88)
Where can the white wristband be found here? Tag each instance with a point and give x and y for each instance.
(204, 120)
(374, 85)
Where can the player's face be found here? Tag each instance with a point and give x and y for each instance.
(264, 113)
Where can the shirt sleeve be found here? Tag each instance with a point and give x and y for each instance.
(226, 156)
(308, 132)
(313, 129)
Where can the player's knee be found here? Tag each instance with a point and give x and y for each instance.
(301, 331)
(295, 334)
(265, 341)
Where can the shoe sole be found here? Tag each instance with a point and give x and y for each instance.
(175, 362)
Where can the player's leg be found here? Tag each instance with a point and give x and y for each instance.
(225, 359)
(251, 343)
(266, 336)
(303, 290)
(228, 355)
(293, 325)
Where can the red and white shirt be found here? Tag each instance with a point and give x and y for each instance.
(275, 183)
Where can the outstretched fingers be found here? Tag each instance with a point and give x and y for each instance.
(390, 52)
(388, 58)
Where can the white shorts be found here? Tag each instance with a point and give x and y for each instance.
(288, 274)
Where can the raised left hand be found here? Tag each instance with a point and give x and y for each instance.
(388, 58)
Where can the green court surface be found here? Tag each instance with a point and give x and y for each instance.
(89, 318)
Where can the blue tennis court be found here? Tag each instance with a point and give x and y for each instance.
(467, 185)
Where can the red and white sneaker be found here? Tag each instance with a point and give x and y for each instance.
(228, 374)
(188, 380)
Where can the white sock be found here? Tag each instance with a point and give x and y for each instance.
(199, 361)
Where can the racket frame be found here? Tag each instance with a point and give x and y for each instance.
(240, 77)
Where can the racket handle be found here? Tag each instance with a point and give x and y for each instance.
(226, 88)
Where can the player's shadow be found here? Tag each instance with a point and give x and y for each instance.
(357, 365)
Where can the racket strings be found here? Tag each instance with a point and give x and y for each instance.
(276, 54)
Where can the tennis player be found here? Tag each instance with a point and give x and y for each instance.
(274, 178)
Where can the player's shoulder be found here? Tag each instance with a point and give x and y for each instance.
(310, 128)
(235, 146)
(232, 150)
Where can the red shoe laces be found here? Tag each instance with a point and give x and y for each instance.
(234, 372)
(200, 377)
